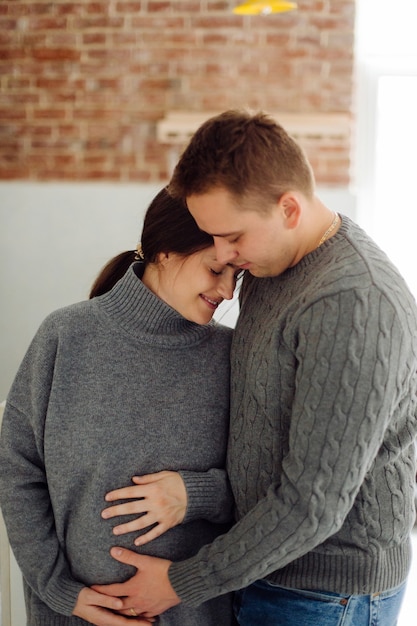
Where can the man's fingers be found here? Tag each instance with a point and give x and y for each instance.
(140, 561)
(140, 523)
(125, 493)
(148, 478)
(152, 534)
(111, 590)
(127, 556)
(128, 508)
(94, 597)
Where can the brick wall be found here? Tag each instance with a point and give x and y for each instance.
(83, 84)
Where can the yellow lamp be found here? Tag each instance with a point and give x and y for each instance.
(259, 7)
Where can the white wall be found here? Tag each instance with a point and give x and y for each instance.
(54, 238)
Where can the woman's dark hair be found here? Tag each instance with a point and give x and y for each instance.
(168, 227)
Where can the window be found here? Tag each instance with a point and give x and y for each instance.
(386, 172)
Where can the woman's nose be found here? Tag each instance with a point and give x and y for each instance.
(227, 285)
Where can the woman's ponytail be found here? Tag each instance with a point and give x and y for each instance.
(113, 271)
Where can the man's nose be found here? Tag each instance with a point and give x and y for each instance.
(225, 251)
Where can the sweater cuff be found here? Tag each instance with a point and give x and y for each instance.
(63, 596)
(188, 583)
(208, 496)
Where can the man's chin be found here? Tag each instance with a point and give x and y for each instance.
(259, 272)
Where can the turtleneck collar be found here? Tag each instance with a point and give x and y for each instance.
(137, 310)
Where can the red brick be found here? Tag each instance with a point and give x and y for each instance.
(39, 8)
(100, 8)
(218, 22)
(11, 54)
(56, 54)
(51, 114)
(130, 7)
(33, 131)
(47, 23)
(62, 40)
(51, 84)
(94, 38)
(9, 113)
(17, 83)
(218, 5)
(100, 22)
(6, 38)
(70, 8)
(157, 23)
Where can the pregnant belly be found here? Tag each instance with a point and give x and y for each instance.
(88, 548)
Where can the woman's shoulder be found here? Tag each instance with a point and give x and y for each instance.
(221, 329)
(71, 315)
(221, 335)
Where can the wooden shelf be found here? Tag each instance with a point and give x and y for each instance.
(177, 127)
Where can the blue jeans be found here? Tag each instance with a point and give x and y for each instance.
(265, 604)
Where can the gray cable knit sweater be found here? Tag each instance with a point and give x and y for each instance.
(323, 421)
(117, 386)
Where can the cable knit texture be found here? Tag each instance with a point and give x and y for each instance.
(323, 421)
(117, 386)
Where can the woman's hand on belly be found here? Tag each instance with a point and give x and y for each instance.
(159, 499)
(99, 609)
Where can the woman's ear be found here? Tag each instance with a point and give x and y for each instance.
(162, 258)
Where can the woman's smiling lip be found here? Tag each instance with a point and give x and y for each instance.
(212, 303)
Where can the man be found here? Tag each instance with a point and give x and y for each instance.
(323, 398)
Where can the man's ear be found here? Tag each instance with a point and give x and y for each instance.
(291, 208)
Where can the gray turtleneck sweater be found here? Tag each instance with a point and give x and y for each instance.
(323, 424)
(117, 386)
